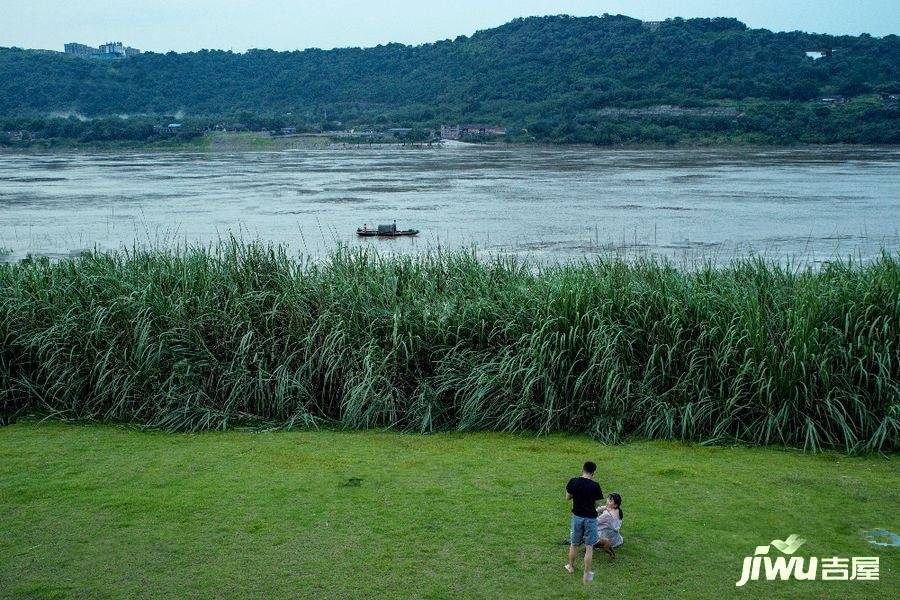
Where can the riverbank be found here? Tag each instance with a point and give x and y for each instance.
(92, 511)
(230, 142)
(263, 142)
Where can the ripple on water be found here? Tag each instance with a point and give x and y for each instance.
(541, 200)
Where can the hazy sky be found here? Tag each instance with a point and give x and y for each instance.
(181, 25)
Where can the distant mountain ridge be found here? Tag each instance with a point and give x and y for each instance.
(527, 70)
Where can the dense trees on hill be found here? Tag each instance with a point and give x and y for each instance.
(534, 74)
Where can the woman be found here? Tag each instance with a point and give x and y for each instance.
(609, 520)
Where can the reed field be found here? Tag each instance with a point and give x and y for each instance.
(247, 335)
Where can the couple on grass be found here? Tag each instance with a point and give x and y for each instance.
(597, 529)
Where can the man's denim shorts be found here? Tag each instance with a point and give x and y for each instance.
(584, 529)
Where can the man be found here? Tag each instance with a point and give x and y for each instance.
(584, 493)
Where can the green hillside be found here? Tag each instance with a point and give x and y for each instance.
(547, 78)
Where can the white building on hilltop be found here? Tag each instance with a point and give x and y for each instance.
(105, 51)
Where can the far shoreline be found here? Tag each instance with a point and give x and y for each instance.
(259, 142)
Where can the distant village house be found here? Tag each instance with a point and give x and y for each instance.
(458, 132)
(818, 53)
(17, 136)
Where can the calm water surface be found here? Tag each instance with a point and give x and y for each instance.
(547, 203)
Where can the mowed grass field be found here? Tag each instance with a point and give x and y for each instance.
(106, 512)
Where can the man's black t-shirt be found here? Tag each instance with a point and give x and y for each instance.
(585, 493)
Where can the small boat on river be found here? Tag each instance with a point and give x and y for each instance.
(385, 231)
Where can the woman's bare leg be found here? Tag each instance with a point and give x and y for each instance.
(606, 546)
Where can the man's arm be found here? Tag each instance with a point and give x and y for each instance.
(568, 496)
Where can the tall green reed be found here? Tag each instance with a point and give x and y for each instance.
(244, 334)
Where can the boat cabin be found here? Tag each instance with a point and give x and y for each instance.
(385, 231)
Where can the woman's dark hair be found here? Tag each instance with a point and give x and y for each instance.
(618, 500)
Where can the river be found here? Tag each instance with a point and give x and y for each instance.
(550, 204)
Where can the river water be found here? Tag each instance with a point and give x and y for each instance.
(550, 204)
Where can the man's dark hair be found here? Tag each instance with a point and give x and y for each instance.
(589, 467)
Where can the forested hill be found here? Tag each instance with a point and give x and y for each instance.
(541, 71)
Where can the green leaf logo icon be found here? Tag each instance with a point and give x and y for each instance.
(790, 545)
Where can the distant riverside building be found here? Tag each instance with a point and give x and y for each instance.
(818, 53)
(456, 132)
(449, 132)
(109, 50)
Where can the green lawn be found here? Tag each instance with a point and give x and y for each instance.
(98, 511)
